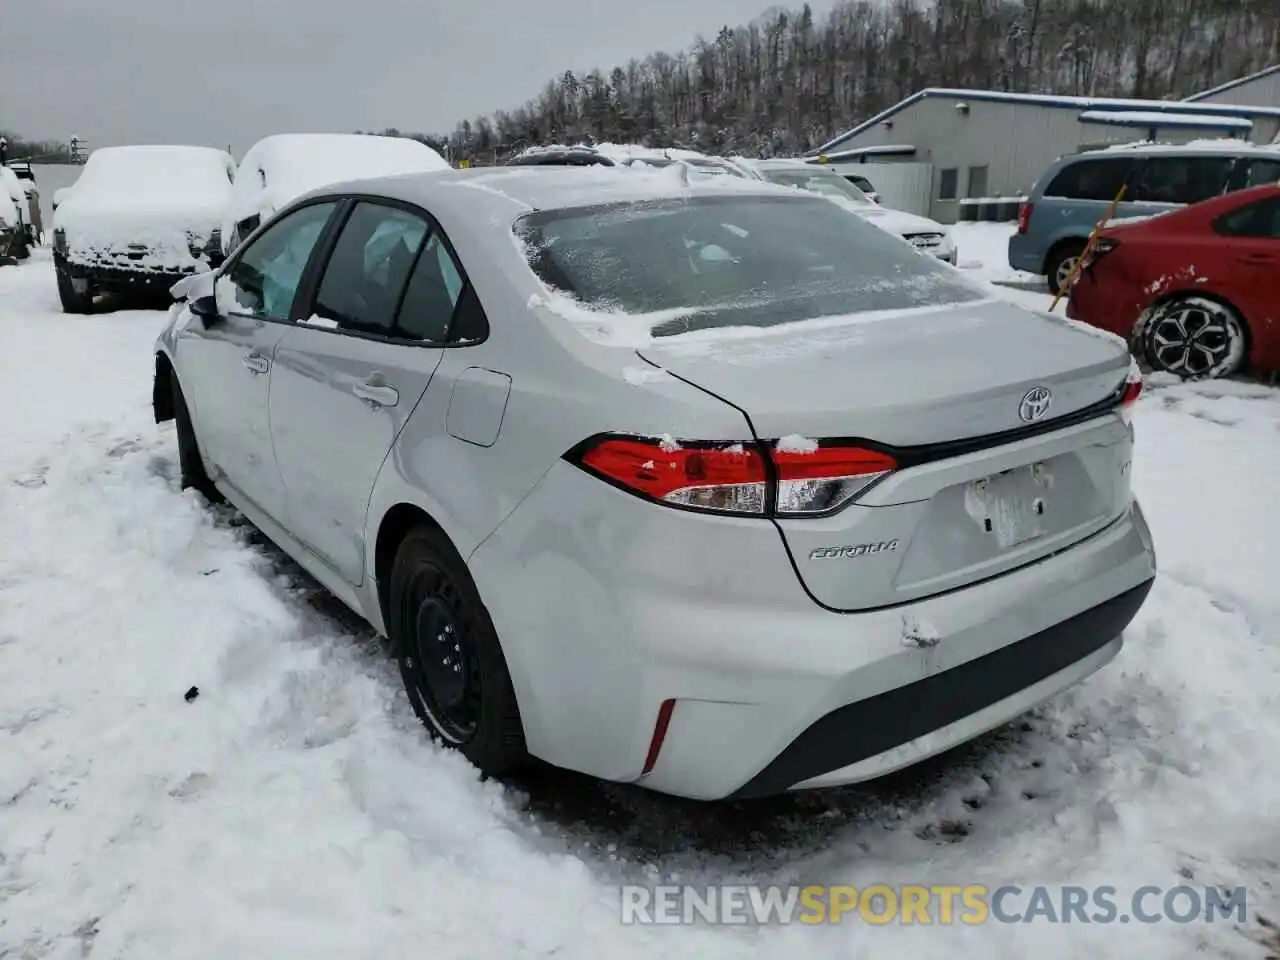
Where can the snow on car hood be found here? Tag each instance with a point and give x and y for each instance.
(895, 221)
(162, 198)
(279, 169)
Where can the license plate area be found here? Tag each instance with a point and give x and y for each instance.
(1011, 506)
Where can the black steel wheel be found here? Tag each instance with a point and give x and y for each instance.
(450, 658)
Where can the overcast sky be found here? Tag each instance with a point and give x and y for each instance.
(226, 72)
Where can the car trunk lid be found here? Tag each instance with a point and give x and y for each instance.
(998, 418)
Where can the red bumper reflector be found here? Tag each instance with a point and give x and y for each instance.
(659, 734)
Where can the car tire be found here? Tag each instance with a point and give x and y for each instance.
(1059, 264)
(193, 475)
(72, 302)
(1192, 337)
(449, 655)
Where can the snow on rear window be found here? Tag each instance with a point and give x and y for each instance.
(711, 261)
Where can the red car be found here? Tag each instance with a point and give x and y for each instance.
(1196, 291)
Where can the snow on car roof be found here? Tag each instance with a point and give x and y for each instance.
(309, 160)
(155, 170)
(511, 191)
(279, 168)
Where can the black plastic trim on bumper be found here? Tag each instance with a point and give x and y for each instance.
(869, 727)
(121, 277)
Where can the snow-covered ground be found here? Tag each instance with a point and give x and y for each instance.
(296, 809)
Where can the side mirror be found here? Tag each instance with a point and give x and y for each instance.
(206, 308)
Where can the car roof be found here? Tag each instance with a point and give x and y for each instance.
(508, 192)
(1198, 148)
(552, 156)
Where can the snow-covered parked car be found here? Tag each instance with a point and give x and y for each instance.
(138, 219)
(700, 164)
(921, 232)
(12, 239)
(15, 209)
(280, 168)
(704, 485)
(27, 179)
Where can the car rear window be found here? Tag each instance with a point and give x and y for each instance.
(733, 261)
(1097, 179)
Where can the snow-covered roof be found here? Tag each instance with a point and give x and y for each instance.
(1051, 102)
(1216, 145)
(880, 150)
(1148, 118)
(1232, 84)
(282, 167)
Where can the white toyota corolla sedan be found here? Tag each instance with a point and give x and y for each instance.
(697, 484)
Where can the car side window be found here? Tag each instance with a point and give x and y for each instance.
(1262, 172)
(263, 280)
(432, 294)
(440, 305)
(1181, 179)
(1256, 220)
(1099, 179)
(368, 269)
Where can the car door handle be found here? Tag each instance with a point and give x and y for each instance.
(1257, 258)
(256, 363)
(376, 393)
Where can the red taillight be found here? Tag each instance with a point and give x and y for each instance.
(1101, 247)
(825, 478)
(727, 478)
(802, 478)
(1130, 390)
(1024, 217)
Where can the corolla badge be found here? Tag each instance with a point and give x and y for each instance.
(1035, 404)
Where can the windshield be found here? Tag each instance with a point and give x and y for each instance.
(733, 261)
(818, 181)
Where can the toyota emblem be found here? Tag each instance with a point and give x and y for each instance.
(1035, 404)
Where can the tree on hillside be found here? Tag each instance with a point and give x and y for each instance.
(789, 81)
(48, 151)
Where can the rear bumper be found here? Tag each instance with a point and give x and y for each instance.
(608, 607)
(1025, 255)
(891, 730)
(1107, 306)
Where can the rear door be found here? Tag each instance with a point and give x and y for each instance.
(349, 375)
(1251, 240)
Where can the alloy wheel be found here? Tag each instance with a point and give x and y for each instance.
(1192, 339)
(1064, 273)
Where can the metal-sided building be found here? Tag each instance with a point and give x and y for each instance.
(942, 146)
(1261, 89)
